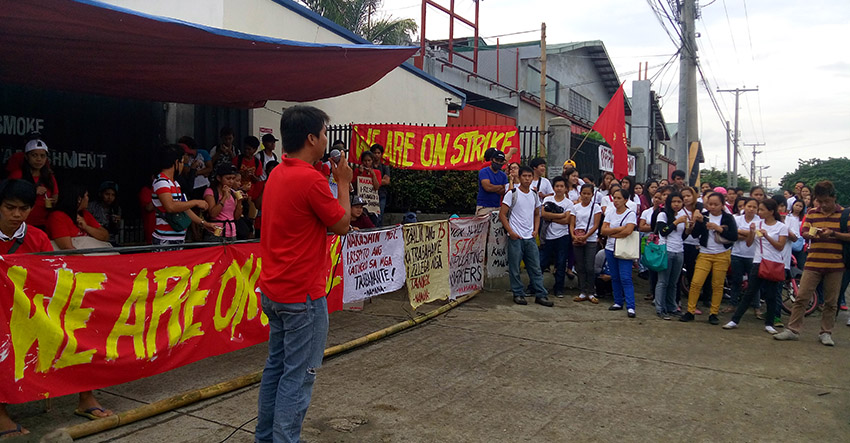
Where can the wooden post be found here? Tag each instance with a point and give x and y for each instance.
(541, 149)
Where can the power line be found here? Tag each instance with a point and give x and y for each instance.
(731, 33)
(749, 33)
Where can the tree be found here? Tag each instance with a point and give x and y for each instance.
(718, 178)
(814, 170)
(355, 15)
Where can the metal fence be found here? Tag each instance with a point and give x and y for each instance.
(586, 155)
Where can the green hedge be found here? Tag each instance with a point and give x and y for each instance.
(433, 191)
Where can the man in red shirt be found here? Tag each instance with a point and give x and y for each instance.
(298, 209)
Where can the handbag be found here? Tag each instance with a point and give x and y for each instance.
(627, 248)
(579, 232)
(178, 221)
(654, 255)
(770, 270)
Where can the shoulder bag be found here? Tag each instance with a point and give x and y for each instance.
(654, 254)
(627, 248)
(768, 269)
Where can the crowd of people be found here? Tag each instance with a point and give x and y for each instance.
(716, 236)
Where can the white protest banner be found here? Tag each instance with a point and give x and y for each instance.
(366, 190)
(497, 248)
(467, 248)
(374, 263)
(606, 160)
(426, 259)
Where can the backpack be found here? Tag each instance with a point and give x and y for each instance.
(845, 246)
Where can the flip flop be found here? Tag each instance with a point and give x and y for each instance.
(8, 434)
(88, 413)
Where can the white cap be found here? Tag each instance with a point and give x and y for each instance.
(32, 145)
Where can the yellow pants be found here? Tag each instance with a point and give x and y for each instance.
(717, 265)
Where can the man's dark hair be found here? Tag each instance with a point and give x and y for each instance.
(824, 189)
(376, 147)
(523, 169)
(270, 165)
(338, 142)
(166, 155)
(678, 173)
(225, 131)
(188, 141)
(559, 179)
(18, 190)
(536, 161)
(251, 141)
(297, 122)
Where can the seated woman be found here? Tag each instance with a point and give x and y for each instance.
(71, 220)
(17, 199)
(106, 211)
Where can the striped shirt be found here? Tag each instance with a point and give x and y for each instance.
(825, 254)
(164, 185)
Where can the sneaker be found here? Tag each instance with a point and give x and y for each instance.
(595, 301)
(558, 294)
(730, 325)
(787, 335)
(581, 297)
(631, 313)
(686, 317)
(770, 330)
(520, 300)
(826, 339)
(777, 322)
(544, 301)
(842, 307)
(713, 319)
(666, 316)
(615, 307)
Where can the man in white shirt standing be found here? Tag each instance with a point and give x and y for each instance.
(539, 183)
(520, 215)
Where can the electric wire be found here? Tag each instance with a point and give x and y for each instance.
(731, 33)
(749, 32)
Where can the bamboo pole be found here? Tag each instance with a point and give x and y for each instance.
(196, 395)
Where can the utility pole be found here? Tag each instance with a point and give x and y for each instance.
(738, 92)
(541, 150)
(729, 158)
(753, 163)
(688, 123)
(761, 174)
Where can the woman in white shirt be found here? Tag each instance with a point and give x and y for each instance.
(620, 221)
(583, 227)
(557, 234)
(794, 220)
(742, 254)
(670, 225)
(645, 226)
(573, 184)
(772, 235)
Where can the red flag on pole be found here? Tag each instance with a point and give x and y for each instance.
(611, 125)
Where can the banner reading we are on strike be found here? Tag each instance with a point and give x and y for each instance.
(433, 147)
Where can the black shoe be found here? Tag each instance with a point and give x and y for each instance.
(520, 300)
(544, 301)
(713, 319)
(687, 316)
(615, 307)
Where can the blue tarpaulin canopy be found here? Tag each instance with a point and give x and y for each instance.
(90, 47)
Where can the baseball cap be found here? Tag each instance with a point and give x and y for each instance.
(357, 201)
(32, 145)
(570, 163)
(499, 156)
(269, 138)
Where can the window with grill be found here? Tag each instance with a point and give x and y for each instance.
(579, 105)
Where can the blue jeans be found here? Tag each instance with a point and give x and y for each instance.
(297, 336)
(621, 280)
(668, 284)
(558, 248)
(525, 249)
(740, 266)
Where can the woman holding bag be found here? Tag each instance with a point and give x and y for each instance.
(620, 222)
(717, 232)
(671, 228)
(583, 227)
(768, 270)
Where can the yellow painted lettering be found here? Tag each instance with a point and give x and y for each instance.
(426, 153)
(76, 318)
(251, 288)
(233, 272)
(494, 141)
(506, 145)
(194, 299)
(164, 301)
(408, 146)
(441, 148)
(461, 145)
(42, 327)
(137, 302)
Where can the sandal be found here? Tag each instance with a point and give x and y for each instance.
(88, 413)
(759, 315)
(18, 430)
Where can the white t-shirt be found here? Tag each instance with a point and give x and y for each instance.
(584, 218)
(600, 196)
(522, 214)
(509, 186)
(691, 240)
(765, 250)
(646, 216)
(711, 246)
(674, 239)
(545, 186)
(574, 194)
(636, 200)
(557, 230)
(793, 223)
(264, 160)
(615, 220)
(740, 248)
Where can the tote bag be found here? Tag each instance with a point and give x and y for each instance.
(627, 248)
(654, 256)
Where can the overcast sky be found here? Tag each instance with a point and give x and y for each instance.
(795, 52)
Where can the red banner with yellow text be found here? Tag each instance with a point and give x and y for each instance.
(71, 324)
(433, 147)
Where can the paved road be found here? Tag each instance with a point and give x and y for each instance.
(490, 370)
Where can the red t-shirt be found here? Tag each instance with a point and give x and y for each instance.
(359, 173)
(35, 241)
(60, 225)
(38, 215)
(298, 207)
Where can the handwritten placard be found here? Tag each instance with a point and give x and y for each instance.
(497, 248)
(366, 190)
(467, 249)
(374, 263)
(426, 260)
